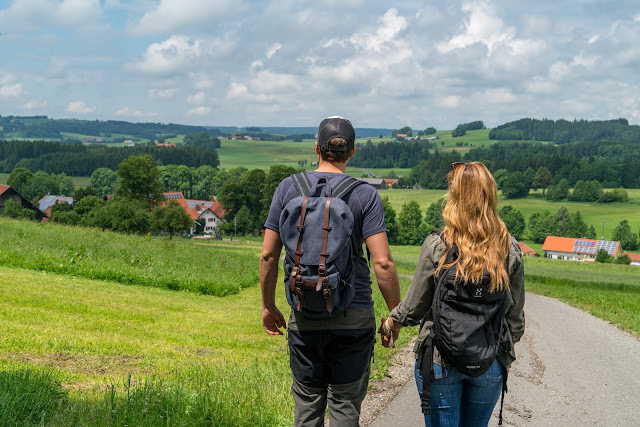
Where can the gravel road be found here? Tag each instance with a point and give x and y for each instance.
(573, 369)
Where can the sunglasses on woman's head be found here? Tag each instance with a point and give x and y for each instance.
(454, 165)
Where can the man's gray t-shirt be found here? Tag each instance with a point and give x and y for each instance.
(368, 219)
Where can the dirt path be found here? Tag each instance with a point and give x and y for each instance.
(573, 369)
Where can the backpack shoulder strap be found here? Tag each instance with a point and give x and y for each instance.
(302, 183)
(345, 186)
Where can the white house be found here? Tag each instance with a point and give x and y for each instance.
(581, 249)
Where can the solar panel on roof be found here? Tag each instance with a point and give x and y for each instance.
(584, 243)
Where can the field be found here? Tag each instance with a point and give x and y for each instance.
(112, 352)
(592, 213)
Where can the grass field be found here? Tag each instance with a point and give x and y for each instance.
(98, 352)
(592, 213)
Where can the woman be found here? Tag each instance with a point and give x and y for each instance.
(472, 224)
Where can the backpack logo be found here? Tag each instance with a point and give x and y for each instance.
(478, 293)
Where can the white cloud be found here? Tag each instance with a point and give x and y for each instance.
(162, 93)
(390, 26)
(128, 112)
(198, 111)
(273, 49)
(593, 39)
(196, 99)
(172, 16)
(80, 107)
(201, 80)
(11, 90)
(450, 101)
(483, 26)
(72, 14)
(34, 103)
(167, 57)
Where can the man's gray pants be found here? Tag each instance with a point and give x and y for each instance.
(330, 361)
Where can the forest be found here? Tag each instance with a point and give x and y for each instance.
(82, 160)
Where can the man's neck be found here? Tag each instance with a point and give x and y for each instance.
(335, 167)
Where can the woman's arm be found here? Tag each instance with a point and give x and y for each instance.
(515, 314)
(418, 299)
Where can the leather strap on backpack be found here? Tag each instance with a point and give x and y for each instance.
(296, 274)
(323, 281)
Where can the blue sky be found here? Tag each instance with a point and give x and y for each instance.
(294, 62)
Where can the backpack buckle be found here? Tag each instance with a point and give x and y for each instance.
(322, 269)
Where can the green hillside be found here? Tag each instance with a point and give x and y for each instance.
(592, 213)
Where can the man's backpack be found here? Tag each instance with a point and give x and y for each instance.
(319, 262)
(469, 327)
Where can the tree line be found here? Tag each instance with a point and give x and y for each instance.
(565, 131)
(82, 160)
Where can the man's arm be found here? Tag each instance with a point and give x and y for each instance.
(385, 268)
(386, 276)
(272, 318)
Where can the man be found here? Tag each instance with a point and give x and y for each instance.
(330, 357)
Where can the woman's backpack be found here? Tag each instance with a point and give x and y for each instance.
(469, 327)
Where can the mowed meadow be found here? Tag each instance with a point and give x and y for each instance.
(97, 330)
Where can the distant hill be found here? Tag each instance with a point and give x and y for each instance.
(360, 132)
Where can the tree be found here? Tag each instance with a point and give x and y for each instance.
(577, 226)
(514, 186)
(103, 181)
(563, 220)
(623, 259)
(591, 232)
(276, 174)
(231, 197)
(178, 178)
(411, 229)
(623, 234)
(19, 178)
(499, 176)
(87, 204)
(202, 140)
(130, 216)
(83, 192)
(529, 176)
(559, 191)
(541, 225)
(252, 185)
(390, 220)
(542, 179)
(433, 216)
(170, 218)
(140, 180)
(603, 256)
(514, 220)
(592, 191)
(243, 220)
(15, 210)
(202, 188)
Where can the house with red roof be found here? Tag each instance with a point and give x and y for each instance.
(527, 251)
(210, 212)
(581, 249)
(8, 193)
(635, 258)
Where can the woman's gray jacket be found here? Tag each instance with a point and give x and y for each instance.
(415, 307)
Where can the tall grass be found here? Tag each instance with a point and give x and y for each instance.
(141, 260)
(200, 396)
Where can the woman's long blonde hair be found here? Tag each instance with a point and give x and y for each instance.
(472, 223)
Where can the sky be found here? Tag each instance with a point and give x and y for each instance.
(382, 64)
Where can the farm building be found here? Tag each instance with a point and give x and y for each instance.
(581, 249)
(377, 183)
(8, 193)
(527, 251)
(46, 203)
(635, 258)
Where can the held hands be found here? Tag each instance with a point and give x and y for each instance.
(272, 321)
(388, 335)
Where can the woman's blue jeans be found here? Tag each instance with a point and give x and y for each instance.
(460, 400)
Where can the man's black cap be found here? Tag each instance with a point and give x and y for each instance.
(336, 127)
